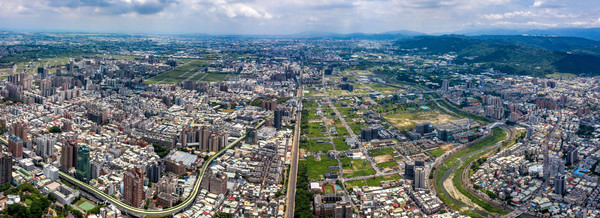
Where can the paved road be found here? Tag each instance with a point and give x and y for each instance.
(293, 174)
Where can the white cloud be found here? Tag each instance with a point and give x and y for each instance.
(291, 16)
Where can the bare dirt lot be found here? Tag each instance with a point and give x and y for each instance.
(383, 158)
(410, 120)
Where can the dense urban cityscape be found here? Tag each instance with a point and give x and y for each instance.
(141, 125)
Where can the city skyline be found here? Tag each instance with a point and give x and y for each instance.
(290, 17)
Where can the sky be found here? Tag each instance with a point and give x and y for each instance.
(294, 16)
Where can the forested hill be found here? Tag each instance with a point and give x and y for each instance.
(525, 55)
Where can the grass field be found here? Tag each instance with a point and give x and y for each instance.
(313, 146)
(381, 88)
(437, 152)
(341, 130)
(406, 121)
(355, 126)
(387, 164)
(179, 73)
(372, 181)
(353, 168)
(347, 112)
(215, 77)
(379, 152)
(316, 169)
(315, 130)
(328, 189)
(340, 144)
(310, 103)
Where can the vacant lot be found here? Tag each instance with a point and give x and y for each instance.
(410, 120)
(340, 144)
(379, 152)
(215, 77)
(354, 168)
(383, 158)
(314, 146)
(372, 181)
(316, 169)
(180, 72)
(437, 152)
(390, 164)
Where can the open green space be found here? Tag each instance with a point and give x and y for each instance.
(387, 164)
(180, 72)
(314, 130)
(314, 146)
(311, 114)
(459, 112)
(376, 182)
(340, 130)
(215, 77)
(405, 121)
(316, 169)
(309, 103)
(360, 167)
(196, 77)
(355, 126)
(340, 144)
(437, 152)
(348, 112)
(379, 152)
(328, 189)
(380, 87)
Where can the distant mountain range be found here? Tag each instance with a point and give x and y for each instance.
(588, 33)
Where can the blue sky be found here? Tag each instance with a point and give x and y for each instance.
(293, 16)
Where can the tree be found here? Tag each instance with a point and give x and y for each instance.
(55, 129)
(17, 210)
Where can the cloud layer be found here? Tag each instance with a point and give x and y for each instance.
(292, 16)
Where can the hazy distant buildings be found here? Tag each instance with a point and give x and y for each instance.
(346, 86)
(445, 86)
